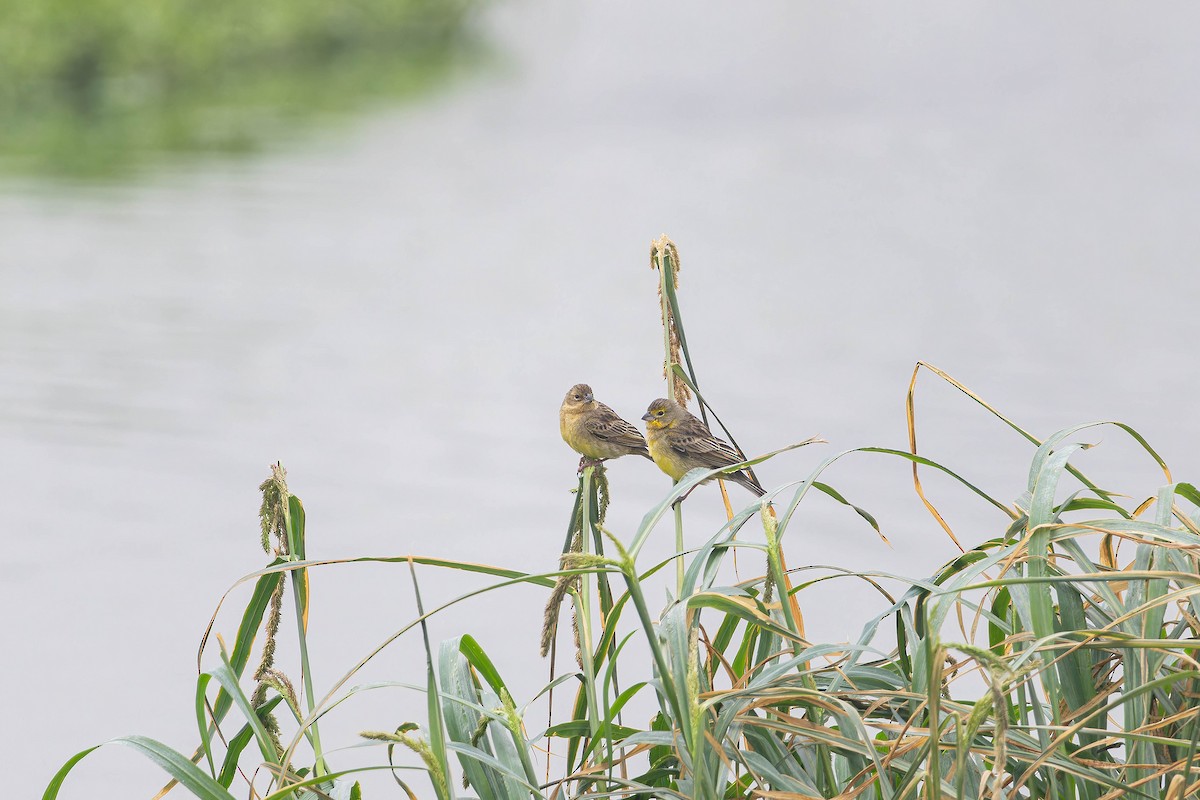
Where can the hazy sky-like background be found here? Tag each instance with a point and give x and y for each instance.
(394, 306)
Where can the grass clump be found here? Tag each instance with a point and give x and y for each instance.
(1056, 659)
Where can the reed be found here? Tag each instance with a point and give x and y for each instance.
(1054, 660)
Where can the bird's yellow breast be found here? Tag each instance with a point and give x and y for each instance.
(666, 457)
(571, 427)
(582, 441)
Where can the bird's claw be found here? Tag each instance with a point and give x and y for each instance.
(586, 462)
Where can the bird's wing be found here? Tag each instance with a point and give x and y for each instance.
(696, 443)
(693, 440)
(605, 424)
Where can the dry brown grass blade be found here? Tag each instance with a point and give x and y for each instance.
(1108, 556)
(791, 595)
(911, 419)
(1144, 506)
(725, 499)
(729, 516)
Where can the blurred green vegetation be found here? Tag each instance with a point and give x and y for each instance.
(101, 87)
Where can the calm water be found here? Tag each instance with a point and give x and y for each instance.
(394, 309)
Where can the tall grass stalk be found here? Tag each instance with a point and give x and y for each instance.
(294, 519)
(665, 258)
(583, 606)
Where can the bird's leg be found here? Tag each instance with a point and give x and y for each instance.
(586, 462)
(684, 496)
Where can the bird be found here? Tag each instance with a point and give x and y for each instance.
(595, 431)
(680, 442)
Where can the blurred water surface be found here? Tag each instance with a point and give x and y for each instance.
(395, 308)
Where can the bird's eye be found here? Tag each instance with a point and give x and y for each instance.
(577, 397)
(658, 413)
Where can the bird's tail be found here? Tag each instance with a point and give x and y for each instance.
(742, 479)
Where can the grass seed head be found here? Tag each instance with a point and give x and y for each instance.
(273, 512)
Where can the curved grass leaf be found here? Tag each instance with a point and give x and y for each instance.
(172, 762)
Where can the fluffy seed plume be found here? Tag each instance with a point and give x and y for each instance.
(562, 586)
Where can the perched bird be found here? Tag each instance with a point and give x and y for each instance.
(680, 442)
(595, 431)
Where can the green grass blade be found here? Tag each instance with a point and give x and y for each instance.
(239, 742)
(174, 763)
(224, 675)
(437, 725)
(202, 721)
(461, 722)
(243, 644)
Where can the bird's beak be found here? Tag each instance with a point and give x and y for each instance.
(646, 416)
(587, 398)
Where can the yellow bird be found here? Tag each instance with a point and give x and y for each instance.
(680, 442)
(594, 430)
